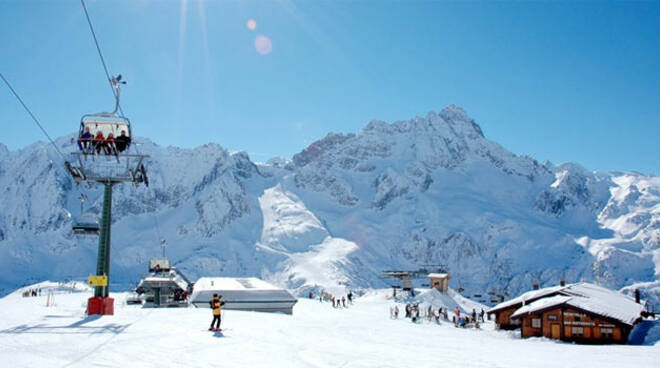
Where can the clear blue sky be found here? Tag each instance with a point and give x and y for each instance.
(558, 81)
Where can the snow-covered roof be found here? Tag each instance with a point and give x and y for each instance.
(231, 283)
(605, 302)
(438, 275)
(528, 297)
(591, 298)
(239, 292)
(541, 304)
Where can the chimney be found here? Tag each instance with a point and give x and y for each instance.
(637, 296)
(562, 282)
(536, 284)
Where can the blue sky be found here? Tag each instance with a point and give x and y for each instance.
(558, 81)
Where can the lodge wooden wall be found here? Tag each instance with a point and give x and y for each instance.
(571, 324)
(503, 319)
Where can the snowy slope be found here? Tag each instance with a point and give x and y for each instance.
(316, 335)
(428, 191)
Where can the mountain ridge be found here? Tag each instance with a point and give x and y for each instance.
(430, 190)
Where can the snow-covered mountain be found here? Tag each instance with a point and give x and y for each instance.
(428, 191)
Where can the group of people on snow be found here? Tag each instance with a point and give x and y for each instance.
(32, 292)
(337, 302)
(108, 145)
(412, 311)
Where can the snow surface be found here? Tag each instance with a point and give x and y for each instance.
(316, 335)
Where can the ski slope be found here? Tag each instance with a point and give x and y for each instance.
(316, 335)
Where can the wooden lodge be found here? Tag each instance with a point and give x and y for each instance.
(583, 313)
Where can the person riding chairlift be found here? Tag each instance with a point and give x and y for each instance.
(122, 142)
(110, 145)
(99, 142)
(84, 140)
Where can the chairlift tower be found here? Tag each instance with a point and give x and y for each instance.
(90, 167)
(406, 276)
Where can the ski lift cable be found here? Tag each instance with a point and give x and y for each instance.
(98, 49)
(34, 118)
(160, 239)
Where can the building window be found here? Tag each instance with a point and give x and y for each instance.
(577, 331)
(552, 317)
(606, 333)
(536, 323)
(577, 319)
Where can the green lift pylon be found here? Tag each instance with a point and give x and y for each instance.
(101, 303)
(89, 169)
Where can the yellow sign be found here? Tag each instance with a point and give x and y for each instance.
(98, 280)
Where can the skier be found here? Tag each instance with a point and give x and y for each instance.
(350, 297)
(396, 312)
(216, 305)
(474, 315)
(343, 301)
(408, 308)
(481, 315)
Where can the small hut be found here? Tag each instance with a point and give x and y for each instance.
(165, 286)
(440, 281)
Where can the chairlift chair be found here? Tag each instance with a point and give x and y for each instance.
(107, 124)
(86, 224)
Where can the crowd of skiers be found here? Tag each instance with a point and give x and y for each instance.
(337, 302)
(413, 311)
(32, 292)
